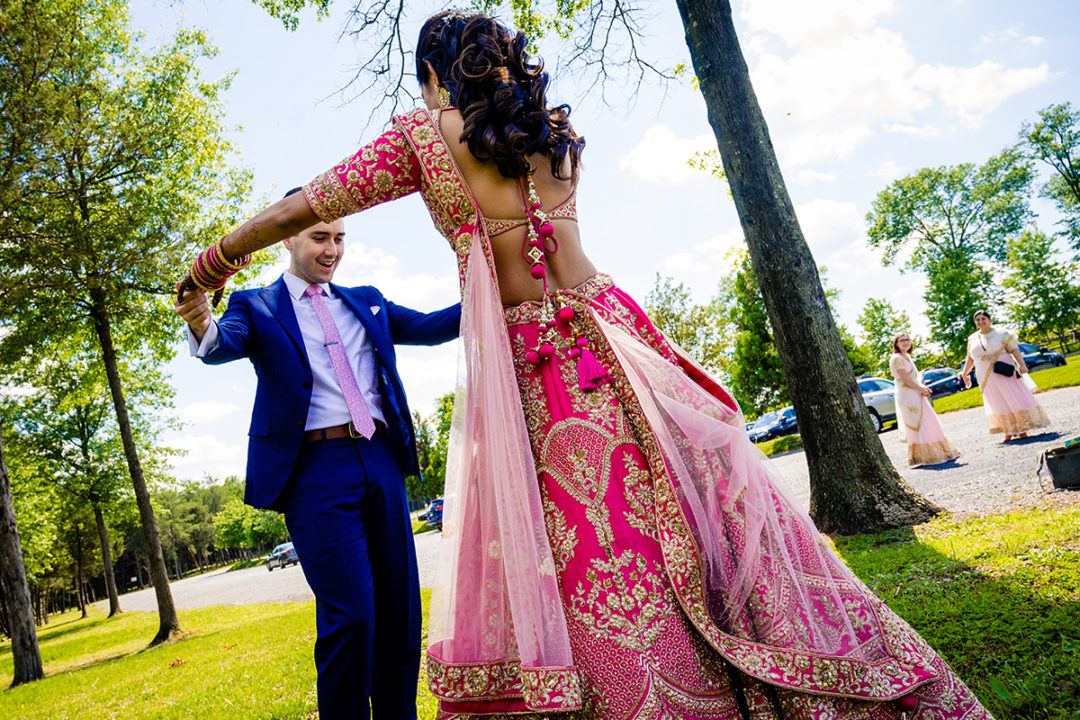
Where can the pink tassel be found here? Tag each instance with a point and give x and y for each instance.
(591, 374)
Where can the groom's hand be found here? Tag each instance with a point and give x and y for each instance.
(194, 308)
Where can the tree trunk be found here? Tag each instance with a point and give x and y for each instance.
(853, 485)
(20, 614)
(106, 558)
(80, 581)
(168, 621)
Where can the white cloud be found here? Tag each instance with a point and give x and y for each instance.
(207, 455)
(797, 22)
(930, 131)
(806, 176)
(661, 156)
(829, 224)
(841, 78)
(974, 92)
(367, 265)
(889, 170)
(831, 95)
(427, 373)
(1012, 34)
(707, 258)
(202, 410)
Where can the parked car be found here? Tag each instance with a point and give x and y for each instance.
(878, 393)
(433, 516)
(971, 374)
(942, 381)
(774, 424)
(281, 556)
(1037, 358)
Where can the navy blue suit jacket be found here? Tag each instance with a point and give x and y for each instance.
(261, 325)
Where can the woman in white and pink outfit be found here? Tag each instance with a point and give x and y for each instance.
(1010, 406)
(926, 442)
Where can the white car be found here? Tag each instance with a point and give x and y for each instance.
(879, 396)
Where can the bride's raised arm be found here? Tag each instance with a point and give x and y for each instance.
(382, 170)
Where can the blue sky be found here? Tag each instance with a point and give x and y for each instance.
(856, 94)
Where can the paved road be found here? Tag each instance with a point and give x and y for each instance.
(256, 585)
(988, 477)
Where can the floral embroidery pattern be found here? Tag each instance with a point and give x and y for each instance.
(382, 170)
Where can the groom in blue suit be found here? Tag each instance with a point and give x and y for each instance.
(333, 460)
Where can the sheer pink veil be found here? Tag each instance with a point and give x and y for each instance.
(496, 596)
(752, 552)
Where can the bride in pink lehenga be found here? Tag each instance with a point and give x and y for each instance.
(613, 545)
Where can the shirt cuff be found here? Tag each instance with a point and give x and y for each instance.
(209, 342)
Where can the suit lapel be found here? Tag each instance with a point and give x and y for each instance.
(279, 302)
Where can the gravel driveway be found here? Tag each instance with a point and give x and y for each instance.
(988, 477)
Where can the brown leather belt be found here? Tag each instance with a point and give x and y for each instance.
(339, 431)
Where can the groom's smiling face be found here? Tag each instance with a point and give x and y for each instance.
(317, 251)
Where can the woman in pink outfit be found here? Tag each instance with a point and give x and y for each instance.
(1010, 406)
(926, 442)
(613, 545)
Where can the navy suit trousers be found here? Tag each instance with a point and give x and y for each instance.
(347, 512)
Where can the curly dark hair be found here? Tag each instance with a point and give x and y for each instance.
(500, 91)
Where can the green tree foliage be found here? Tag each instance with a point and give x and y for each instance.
(704, 331)
(288, 11)
(1055, 140)
(128, 177)
(1043, 298)
(243, 527)
(880, 321)
(432, 444)
(757, 377)
(953, 222)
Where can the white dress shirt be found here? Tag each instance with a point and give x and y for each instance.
(328, 406)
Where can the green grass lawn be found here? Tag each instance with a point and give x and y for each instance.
(1065, 376)
(998, 597)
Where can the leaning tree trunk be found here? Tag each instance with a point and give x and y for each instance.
(853, 485)
(159, 576)
(106, 559)
(20, 613)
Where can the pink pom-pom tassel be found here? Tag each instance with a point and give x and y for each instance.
(591, 374)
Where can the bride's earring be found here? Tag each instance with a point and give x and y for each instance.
(443, 97)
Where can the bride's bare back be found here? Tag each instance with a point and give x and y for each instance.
(500, 197)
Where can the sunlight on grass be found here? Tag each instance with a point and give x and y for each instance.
(234, 663)
(998, 597)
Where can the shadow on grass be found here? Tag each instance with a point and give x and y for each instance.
(55, 631)
(1009, 629)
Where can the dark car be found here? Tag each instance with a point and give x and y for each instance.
(433, 516)
(281, 556)
(879, 396)
(942, 381)
(774, 424)
(1037, 358)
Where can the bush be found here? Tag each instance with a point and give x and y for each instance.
(781, 444)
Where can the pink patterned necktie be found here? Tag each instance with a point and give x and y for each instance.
(354, 399)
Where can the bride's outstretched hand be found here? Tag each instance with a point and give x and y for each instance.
(186, 284)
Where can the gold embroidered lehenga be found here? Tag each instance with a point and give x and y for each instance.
(618, 550)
